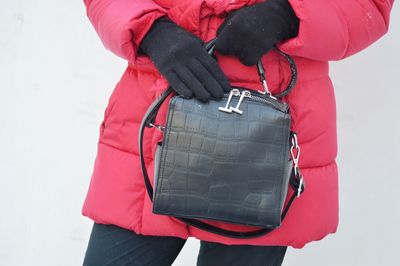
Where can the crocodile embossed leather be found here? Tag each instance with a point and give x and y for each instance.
(228, 160)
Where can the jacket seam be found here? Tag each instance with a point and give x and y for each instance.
(124, 151)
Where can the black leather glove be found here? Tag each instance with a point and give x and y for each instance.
(181, 57)
(252, 31)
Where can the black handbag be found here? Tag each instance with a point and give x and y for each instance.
(228, 160)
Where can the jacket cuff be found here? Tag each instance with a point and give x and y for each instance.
(139, 29)
(122, 24)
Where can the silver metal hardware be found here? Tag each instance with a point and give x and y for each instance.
(266, 90)
(300, 185)
(261, 73)
(265, 85)
(227, 109)
(295, 153)
(159, 127)
(236, 109)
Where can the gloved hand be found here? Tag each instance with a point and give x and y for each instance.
(252, 31)
(181, 57)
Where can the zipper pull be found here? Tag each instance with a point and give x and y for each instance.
(236, 109)
(227, 109)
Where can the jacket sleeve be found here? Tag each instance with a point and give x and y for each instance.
(336, 29)
(122, 24)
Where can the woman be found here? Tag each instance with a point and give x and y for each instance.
(162, 41)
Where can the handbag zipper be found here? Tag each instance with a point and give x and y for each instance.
(251, 96)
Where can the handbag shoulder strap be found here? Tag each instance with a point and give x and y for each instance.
(148, 121)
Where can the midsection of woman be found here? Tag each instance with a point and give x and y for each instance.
(329, 30)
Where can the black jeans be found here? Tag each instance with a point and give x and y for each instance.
(112, 245)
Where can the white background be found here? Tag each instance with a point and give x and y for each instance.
(56, 78)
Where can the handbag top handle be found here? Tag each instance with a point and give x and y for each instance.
(210, 46)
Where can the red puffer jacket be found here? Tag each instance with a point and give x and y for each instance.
(329, 30)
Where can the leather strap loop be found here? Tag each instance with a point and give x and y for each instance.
(209, 46)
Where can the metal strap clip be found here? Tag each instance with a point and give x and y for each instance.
(295, 153)
(158, 127)
(261, 73)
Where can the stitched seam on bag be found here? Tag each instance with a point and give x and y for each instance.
(218, 220)
(165, 144)
(284, 165)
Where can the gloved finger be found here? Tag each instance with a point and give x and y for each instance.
(193, 84)
(213, 68)
(222, 26)
(206, 78)
(177, 85)
(249, 58)
(227, 45)
(222, 45)
(227, 21)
